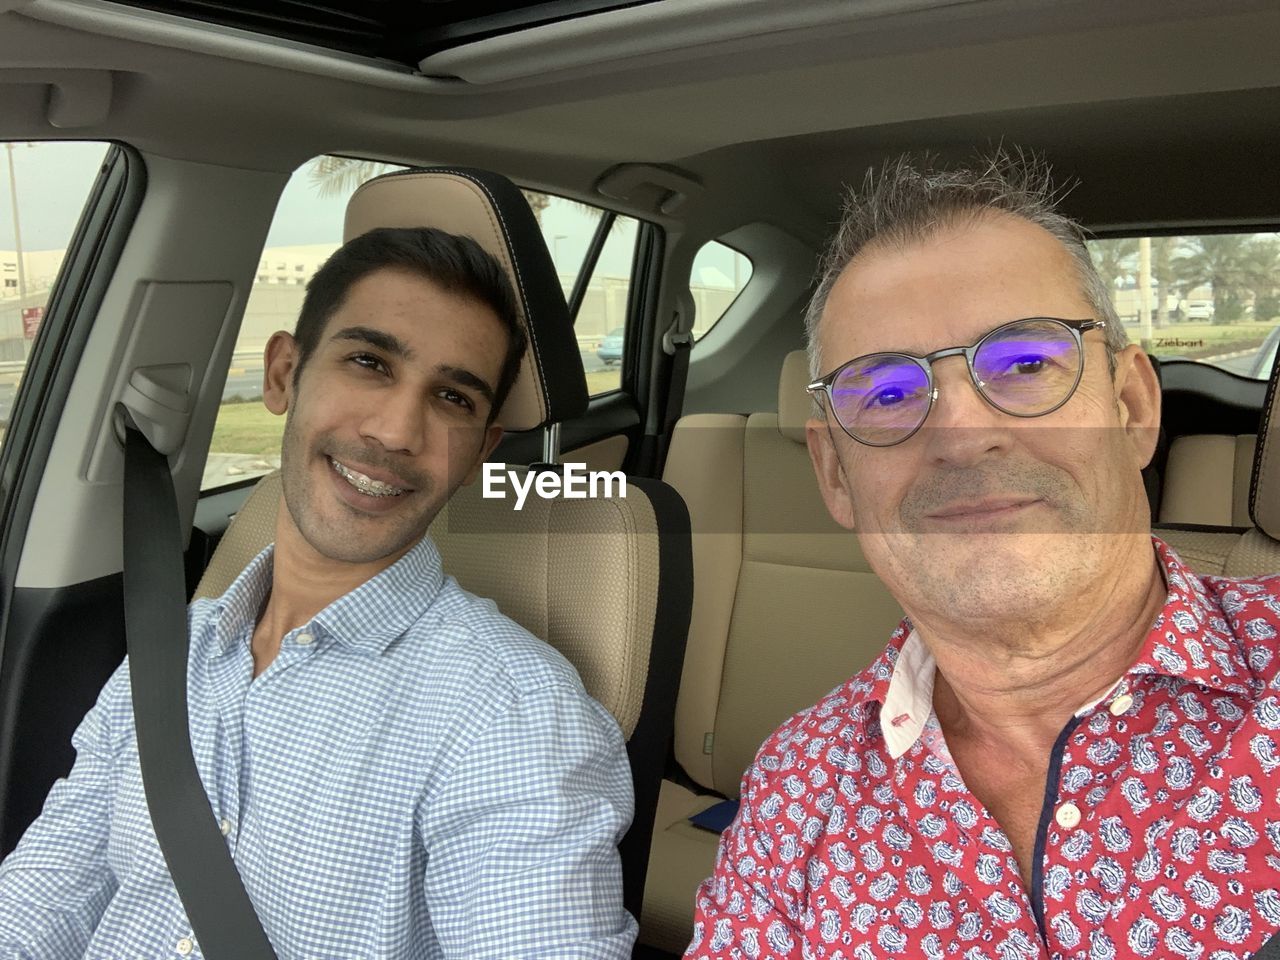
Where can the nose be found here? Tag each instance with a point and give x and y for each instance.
(397, 420)
(962, 427)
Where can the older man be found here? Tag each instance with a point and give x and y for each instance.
(1067, 748)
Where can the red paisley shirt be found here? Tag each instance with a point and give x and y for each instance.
(1159, 835)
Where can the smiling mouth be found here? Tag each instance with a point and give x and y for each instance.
(366, 485)
(983, 509)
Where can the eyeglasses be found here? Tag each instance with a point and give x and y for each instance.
(1025, 368)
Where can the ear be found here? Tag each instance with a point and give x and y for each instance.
(1138, 401)
(492, 434)
(832, 482)
(279, 361)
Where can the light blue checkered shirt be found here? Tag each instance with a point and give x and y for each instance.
(415, 775)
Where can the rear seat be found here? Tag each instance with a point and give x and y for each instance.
(1231, 479)
(785, 607)
(1206, 480)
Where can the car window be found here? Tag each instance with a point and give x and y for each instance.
(307, 228)
(1212, 298)
(719, 274)
(600, 320)
(42, 194)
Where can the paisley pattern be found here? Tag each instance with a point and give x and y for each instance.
(841, 852)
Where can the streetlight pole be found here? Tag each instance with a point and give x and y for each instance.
(17, 228)
(17, 242)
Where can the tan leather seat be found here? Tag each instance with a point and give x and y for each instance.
(1206, 463)
(607, 582)
(1206, 480)
(785, 607)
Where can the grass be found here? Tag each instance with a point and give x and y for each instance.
(249, 428)
(1206, 339)
(603, 381)
(1244, 330)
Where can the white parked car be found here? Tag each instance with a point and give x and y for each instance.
(1197, 309)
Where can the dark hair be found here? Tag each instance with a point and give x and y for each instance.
(457, 263)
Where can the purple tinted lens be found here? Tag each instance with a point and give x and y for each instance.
(881, 399)
(1028, 368)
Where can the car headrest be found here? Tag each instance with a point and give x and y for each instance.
(1264, 487)
(490, 209)
(794, 403)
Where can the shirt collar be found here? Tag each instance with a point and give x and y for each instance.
(367, 619)
(382, 608)
(1189, 640)
(908, 696)
(242, 602)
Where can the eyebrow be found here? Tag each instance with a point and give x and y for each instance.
(386, 342)
(465, 378)
(393, 345)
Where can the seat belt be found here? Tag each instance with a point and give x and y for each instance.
(155, 612)
(677, 343)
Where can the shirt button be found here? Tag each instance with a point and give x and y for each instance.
(1068, 816)
(185, 946)
(303, 639)
(225, 826)
(1121, 704)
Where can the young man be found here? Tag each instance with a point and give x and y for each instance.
(1067, 749)
(399, 770)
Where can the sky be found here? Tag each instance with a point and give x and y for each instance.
(53, 181)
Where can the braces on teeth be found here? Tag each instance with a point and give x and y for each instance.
(366, 485)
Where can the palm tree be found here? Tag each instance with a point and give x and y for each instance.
(1222, 262)
(1262, 277)
(1163, 273)
(1114, 259)
(339, 176)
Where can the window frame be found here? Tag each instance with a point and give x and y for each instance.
(737, 295)
(1243, 228)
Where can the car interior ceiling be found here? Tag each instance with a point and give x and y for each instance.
(1161, 116)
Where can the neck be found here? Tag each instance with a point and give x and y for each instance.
(303, 582)
(1015, 685)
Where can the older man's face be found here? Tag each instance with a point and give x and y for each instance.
(980, 514)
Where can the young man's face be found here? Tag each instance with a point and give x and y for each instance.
(389, 416)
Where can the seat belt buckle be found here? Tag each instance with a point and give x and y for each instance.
(679, 336)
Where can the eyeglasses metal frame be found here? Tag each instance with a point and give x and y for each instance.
(1077, 328)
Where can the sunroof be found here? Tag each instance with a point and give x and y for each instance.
(405, 31)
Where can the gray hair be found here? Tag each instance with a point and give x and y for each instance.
(911, 199)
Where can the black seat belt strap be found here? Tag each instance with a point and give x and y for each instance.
(677, 343)
(209, 886)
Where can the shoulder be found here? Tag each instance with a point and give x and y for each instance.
(1250, 605)
(472, 631)
(465, 659)
(1262, 591)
